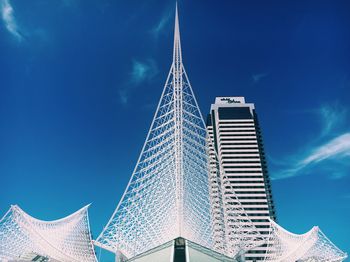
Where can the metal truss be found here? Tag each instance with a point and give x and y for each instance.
(24, 238)
(233, 231)
(170, 193)
(312, 246)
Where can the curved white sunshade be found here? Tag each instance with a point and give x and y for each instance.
(23, 237)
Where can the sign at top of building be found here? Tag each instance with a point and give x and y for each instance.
(230, 100)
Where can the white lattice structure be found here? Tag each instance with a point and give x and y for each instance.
(169, 194)
(312, 246)
(24, 238)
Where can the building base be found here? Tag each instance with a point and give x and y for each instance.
(179, 250)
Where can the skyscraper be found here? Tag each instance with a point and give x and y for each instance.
(233, 126)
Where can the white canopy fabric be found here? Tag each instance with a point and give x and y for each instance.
(23, 237)
(312, 246)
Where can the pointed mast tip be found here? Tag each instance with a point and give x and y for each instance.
(177, 57)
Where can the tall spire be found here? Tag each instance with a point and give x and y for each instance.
(177, 70)
(168, 193)
(177, 56)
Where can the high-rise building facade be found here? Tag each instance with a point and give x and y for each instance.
(234, 128)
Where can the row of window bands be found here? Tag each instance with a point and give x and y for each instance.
(254, 259)
(240, 162)
(236, 131)
(225, 156)
(241, 167)
(229, 123)
(262, 226)
(222, 139)
(256, 252)
(254, 203)
(223, 135)
(228, 159)
(238, 147)
(234, 122)
(239, 140)
(251, 198)
(224, 152)
(237, 169)
(244, 187)
(222, 127)
(256, 209)
(250, 215)
(239, 143)
(247, 182)
(252, 208)
(259, 215)
(260, 220)
(233, 197)
(243, 220)
(234, 177)
(240, 172)
(248, 193)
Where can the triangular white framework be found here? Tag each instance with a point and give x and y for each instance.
(176, 183)
(22, 237)
(313, 246)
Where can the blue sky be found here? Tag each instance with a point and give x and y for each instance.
(80, 81)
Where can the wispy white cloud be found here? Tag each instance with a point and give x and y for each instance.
(329, 152)
(338, 175)
(257, 77)
(336, 150)
(141, 72)
(7, 14)
(123, 96)
(162, 24)
(332, 116)
(338, 147)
